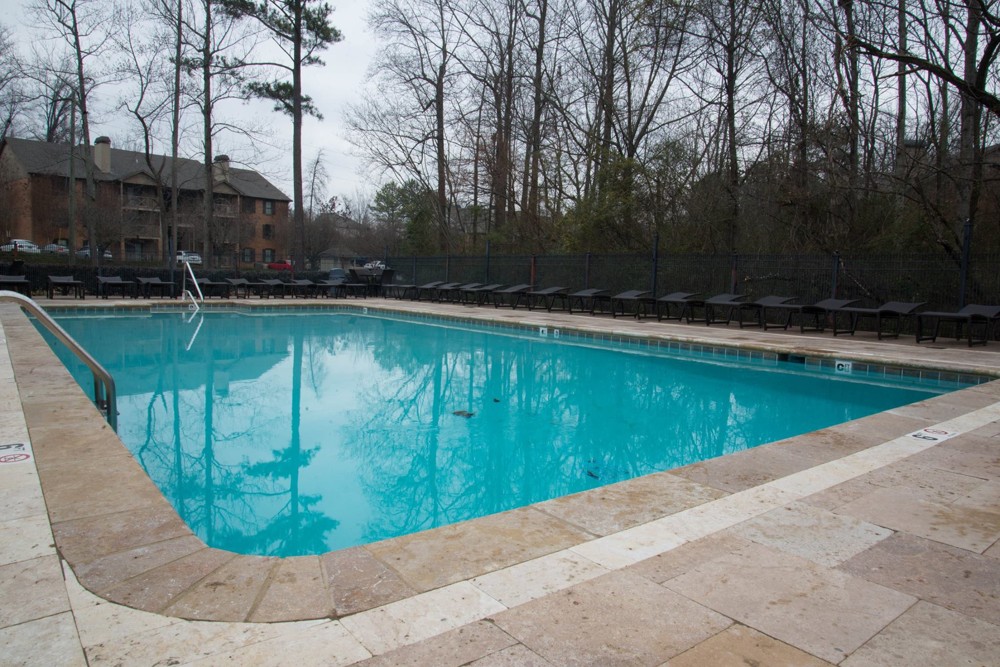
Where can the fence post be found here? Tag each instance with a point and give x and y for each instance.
(486, 278)
(413, 260)
(656, 263)
(447, 268)
(732, 272)
(586, 272)
(835, 274)
(963, 276)
(531, 271)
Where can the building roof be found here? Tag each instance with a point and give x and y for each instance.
(39, 157)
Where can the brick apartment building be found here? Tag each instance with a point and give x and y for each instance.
(249, 225)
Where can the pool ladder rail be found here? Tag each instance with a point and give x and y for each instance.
(105, 396)
(188, 271)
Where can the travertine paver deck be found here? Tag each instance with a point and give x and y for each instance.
(852, 545)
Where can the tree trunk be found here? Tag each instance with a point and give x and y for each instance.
(206, 74)
(299, 220)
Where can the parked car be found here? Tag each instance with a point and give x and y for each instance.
(188, 257)
(84, 253)
(281, 265)
(56, 249)
(21, 245)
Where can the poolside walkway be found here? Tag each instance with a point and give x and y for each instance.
(869, 543)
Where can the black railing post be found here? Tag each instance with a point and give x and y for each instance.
(963, 277)
(531, 271)
(733, 262)
(413, 273)
(586, 272)
(835, 274)
(486, 278)
(447, 268)
(656, 263)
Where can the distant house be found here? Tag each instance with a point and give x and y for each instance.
(248, 226)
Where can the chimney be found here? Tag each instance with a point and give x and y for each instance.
(102, 154)
(220, 168)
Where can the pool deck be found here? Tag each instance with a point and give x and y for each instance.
(859, 544)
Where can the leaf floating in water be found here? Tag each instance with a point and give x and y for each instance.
(496, 400)
(463, 413)
(590, 473)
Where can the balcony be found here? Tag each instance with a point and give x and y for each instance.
(225, 210)
(140, 203)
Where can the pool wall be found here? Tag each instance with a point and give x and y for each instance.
(126, 544)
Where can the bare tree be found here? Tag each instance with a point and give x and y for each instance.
(219, 57)
(11, 95)
(82, 26)
(420, 37)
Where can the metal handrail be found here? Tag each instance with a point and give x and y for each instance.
(194, 281)
(107, 399)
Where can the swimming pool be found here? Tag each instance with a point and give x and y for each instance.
(303, 433)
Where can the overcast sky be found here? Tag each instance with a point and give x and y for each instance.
(331, 86)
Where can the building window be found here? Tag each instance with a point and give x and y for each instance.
(267, 255)
(249, 205)
(248, 255)
(268, 231)
(268, 207)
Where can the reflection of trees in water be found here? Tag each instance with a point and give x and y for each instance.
(248, 503)
(546, 422)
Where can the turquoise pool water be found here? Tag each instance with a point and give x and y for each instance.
(292, 434)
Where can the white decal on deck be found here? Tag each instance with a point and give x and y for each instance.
(933, 434)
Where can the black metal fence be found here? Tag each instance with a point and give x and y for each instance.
(873, 279)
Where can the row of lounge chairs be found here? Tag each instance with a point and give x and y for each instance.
(977, 323)
(147, 287)
(974, 322)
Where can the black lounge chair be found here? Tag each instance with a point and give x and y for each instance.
(340, 283)
(367, 277)
(547, 296)
(713, 305)
(587, 299)
(217, 288)
(303, 287)
(456, 294)
(891, 312)
(418, 291)
(148, 285)
(335, 288)
(385, 283)
(971, 317)
(273, 287)
(683, 301)
(108, 284)
(17, 283)
(66, 284)
(818, 312)
(510, 295)
(637, 297)
(479, 294)
(758, 309)
(433, 293)
(245, 286)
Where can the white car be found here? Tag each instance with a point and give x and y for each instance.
(84, 253)
(21, 245)
(188, 257)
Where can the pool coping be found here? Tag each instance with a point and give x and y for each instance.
(125, 543)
